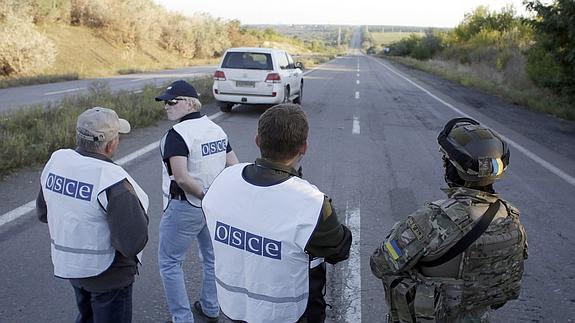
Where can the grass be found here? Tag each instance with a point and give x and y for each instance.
(28, 136)
(386, 38)
(532, 97)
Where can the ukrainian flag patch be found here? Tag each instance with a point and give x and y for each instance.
(393, 249)
(497, 166)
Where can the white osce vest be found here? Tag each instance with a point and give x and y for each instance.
(74, 188)
(207, 144)
(259, 235)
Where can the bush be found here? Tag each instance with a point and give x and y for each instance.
(179, 36)
(49, 11)
(211, 36)
(543, 68)
(128, 22)
(555, 44)
(482, 19)
(421, 48)
(24, 50)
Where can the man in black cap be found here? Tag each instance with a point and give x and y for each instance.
(194, 151)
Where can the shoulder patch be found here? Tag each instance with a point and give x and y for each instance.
(393, 249)
(415, 228)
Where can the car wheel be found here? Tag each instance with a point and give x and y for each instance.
(286, 95)
(300, 96)
(226, 108)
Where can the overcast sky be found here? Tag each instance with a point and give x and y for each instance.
(426, 13)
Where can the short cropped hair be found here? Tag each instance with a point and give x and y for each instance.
(282, 130)
(89, 145)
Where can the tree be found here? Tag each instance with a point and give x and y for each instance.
(554, 26)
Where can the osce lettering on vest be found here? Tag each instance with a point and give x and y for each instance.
(69, 187)
(214, 147)
(247, 241)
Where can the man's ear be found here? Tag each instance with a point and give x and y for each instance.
(257, 140)
(111, 147)
(303, 148)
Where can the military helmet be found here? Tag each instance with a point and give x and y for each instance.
(477, 153)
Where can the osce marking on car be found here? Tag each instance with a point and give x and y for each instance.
(247, 241)
(214, 147)
(69, 187)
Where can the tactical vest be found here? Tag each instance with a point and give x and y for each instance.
(207, 145)
(74, 189)
(259, 237)
(489, 274)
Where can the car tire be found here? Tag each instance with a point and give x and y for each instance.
(226, 108)
(299, 97)
(286, 95)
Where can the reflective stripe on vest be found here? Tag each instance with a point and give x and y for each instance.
(74, 190)
(207, 145)
(261, 297)
(262, 270)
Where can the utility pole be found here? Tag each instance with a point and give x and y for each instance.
(339, 36)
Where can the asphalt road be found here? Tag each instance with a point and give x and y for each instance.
(23, 96)
(372, 148)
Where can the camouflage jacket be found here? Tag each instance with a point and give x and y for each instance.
(433, 229)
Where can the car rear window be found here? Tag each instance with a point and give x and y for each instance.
(246, 60)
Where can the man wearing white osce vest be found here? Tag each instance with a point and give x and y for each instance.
(194, 152)
(272, 230)
(96, 214)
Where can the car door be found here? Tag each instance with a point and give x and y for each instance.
(284, 70)
(296, 74)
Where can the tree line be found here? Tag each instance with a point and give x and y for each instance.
(545, 42)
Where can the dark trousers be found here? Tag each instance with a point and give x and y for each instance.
(114, 306)
(315, 311)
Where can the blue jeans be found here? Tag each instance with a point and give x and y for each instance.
(114, 306)
(180, 224)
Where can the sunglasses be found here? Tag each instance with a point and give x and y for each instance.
(172, 101)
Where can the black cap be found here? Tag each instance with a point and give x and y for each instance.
(177, 89)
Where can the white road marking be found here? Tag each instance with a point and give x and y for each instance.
(357, 94)
(141, 79)
(30, 206)
(65, 91)
(357, 74)
(352, 289)
(534, 157)
(17, 212)
(355, 130)
(356, 81)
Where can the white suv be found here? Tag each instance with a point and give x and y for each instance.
(257, 76)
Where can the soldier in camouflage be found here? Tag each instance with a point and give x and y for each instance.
(455, 259)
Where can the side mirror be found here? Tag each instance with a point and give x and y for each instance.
(299, 65)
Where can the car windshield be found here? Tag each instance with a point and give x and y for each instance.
(246, 60)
